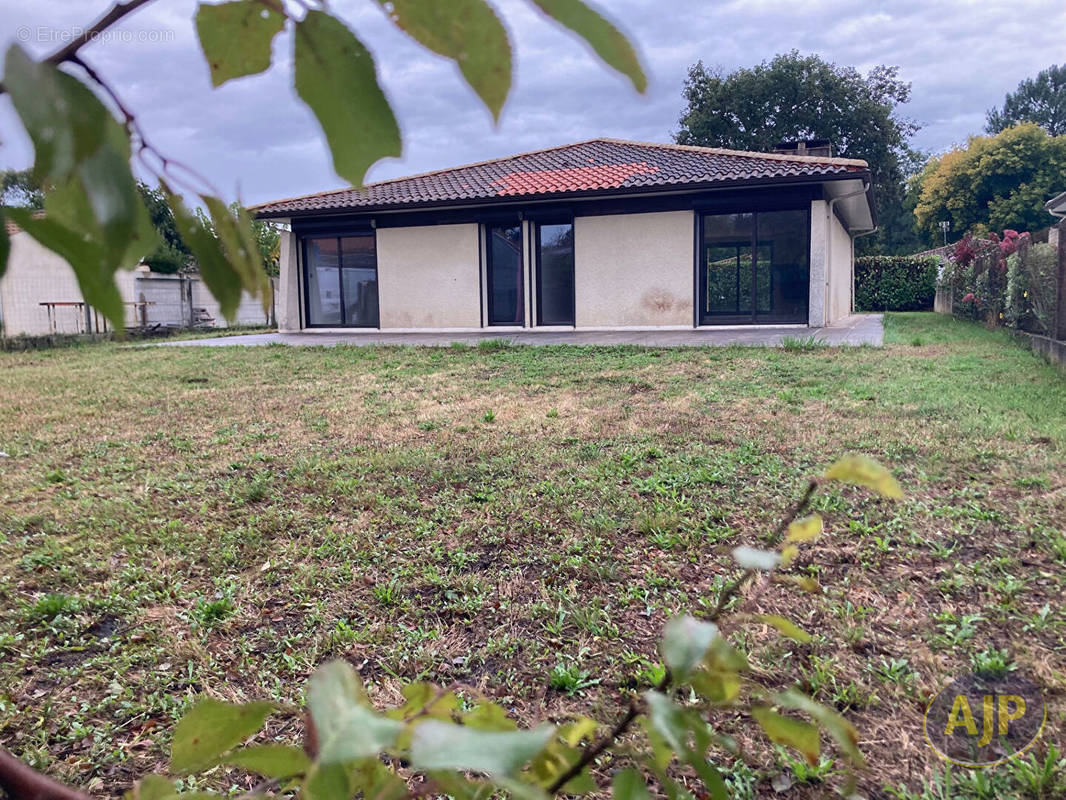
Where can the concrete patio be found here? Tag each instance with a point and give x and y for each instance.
(858, 329)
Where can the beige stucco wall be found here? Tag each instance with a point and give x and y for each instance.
(34, 275)
(634, 270)
(428, 277)
(840, 271)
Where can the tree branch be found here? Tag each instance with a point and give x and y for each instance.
(20, 781)
(113, 15)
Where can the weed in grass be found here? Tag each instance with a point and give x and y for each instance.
(51, 606)
(1040, 778)
(802, 344)
(494, 344)
(553, 413)
(388, 594)
(207, 613)
(570, 679)
(993, 662)
(895, 670)
(954, 631)
(489, 416)
(803, 772)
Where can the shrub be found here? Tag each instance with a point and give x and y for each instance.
(895, 283)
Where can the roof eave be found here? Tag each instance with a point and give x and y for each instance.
(679, 188)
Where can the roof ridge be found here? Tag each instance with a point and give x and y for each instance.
(726, 151)
(432, 172)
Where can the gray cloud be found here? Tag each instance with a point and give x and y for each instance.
(255, 137)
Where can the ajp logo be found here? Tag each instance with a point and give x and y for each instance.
(983, 719)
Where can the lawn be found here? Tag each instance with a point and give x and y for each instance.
(178, 521)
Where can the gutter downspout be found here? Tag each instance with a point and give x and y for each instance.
(829, 244)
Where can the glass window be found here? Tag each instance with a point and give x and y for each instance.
(323, 282)
(727, 267)
(360, 281)
(342, 281)
(555, 274)
(506, 298)
(784, 246)
(755, 267)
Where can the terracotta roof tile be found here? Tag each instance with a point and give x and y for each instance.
(597, 166)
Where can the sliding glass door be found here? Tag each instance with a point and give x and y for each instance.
(341, 281)
(555, 273)
(755, 268)
(506, 298)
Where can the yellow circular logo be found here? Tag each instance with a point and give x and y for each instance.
(984, 719)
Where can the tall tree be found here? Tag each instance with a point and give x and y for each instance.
(1041, 100)
(994, 183)
(798, 96)
(171, 255)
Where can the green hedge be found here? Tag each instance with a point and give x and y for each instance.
(895, 283)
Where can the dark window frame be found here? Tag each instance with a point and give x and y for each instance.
(537, 224)
(704, 319)
(305, 244)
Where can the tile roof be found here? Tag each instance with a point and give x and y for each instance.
(599, 166)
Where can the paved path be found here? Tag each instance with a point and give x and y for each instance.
(854, 330)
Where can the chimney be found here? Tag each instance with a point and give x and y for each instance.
(805, 147)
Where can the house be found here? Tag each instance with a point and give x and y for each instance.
(39, 292)
(39, 296)
(599, 235)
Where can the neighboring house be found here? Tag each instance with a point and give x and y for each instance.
(1057, 205)
(603, 234)
(39, 295)
(36, 276)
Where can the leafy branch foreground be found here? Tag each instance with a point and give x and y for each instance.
(447, 741)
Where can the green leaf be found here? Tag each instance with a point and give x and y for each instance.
(425, 700)
(233, 227)
(236, 37)
(441, 745)
(752, 558)
(94, 215)
(65, 121)
(842, 731)
(786, 627)
(685, 643)
(718, 687)
(668, 720)
(222, 280)
(628, 784)
(335, 76)
(489, 717)
(467, 31)
(794, 733)
(346, 727)
(864, 471)
(151, 787)
(609, 43)
(271, 760)
(212, 728)
(805, 530)
(327, 782)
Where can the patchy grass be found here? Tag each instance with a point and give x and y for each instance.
(521, 520)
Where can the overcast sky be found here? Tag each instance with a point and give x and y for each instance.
(254, 137)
